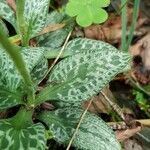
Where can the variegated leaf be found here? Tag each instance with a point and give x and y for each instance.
(82, 75)
(39, 71)
(56, 38)
(7, 13)
(11, 80)
(78, 45)
(2, 24)
(36, 62)
(9, 73)
(93, 134)
(29, 138)
(35, 15)
(9, 98)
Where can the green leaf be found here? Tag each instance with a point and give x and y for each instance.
(93, 12)
(93, 133)
(35, 16)
(10, 79)
(84, 74)
(32, 137)
(36, 62)
(80, 45)
(7, 13)
(14, 52)
(9, 98)
(8, 72)
(56, 38)
(2, 24)
(39, 71)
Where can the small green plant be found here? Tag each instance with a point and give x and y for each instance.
(87, 66)
(126, 40)
(88, 12)
(142, 102)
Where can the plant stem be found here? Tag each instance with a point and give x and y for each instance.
(22, 119)
(21, 21)
(133, 25)
(124, 23)
(114, 106)
(17, 58)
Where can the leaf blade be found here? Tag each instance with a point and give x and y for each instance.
(84, 74)
(10, 80)
(35, 13)
(9, 98)
(92, 134)
(2, 24)
(51, 39)
(7, 13)
(31, 137)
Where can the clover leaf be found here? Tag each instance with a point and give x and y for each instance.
(87, 11)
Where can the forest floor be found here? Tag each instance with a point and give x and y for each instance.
(125, 103)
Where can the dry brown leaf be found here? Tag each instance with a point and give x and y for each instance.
(145, 122)
(132, 144)
(99, 104)
(145, 51)
(111, 32)
(98, 32)
(142, 69)
(47, 106)
(51, 27)
(12, 4)
(126, 134)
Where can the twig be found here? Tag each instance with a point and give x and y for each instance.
(58, 56)
(80, 121)
(114, 106)
(138, 86)
(143, 122)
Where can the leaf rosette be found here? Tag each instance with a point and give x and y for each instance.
(88, 12)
